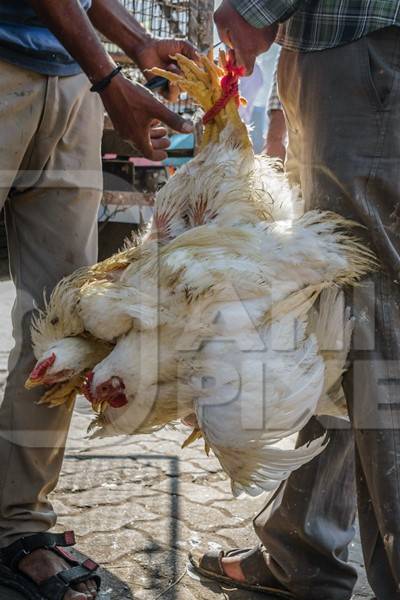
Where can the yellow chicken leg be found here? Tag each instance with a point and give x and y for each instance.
(202, 81)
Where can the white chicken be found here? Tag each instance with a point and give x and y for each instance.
(243, 189)
(214, 312)
(238, 350)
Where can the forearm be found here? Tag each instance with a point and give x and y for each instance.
(118, 25)
(132, 108)
(72, 26)
(277, 127)
(263, 13)
(275, 140)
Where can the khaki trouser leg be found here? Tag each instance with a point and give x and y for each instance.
(50, 139)
(343, 106)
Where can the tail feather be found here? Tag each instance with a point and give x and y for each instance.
(254, 478)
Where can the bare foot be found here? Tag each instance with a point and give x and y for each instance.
(233, 569)
(42, 564)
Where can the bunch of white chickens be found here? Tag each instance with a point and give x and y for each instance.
(214, 312)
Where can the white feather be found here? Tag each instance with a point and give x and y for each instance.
(333, 327)
(211, 313)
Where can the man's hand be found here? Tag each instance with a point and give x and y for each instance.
(247, 41)
(275, 149)
(120, 27)
(133, 110)
(157, 53)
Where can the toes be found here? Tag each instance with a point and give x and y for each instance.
(93, 588)
(88, 588)
(75, 595)
(92, 592)
(83, 590)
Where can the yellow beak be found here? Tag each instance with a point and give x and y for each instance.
(32, 383)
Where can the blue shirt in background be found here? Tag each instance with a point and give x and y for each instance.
(26, 42)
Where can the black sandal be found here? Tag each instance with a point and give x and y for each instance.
(56, 586)
(252, 563)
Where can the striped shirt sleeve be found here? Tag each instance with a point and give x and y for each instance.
(261, 13)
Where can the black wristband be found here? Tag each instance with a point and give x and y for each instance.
(100, 86)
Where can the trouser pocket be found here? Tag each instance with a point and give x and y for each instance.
(381, 64)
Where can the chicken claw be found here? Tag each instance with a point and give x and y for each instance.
(202, 81)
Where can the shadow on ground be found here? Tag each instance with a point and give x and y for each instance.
(161, 559)
(215, 588)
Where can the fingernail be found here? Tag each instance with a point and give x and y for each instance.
(187, 127)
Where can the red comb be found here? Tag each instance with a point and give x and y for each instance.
(41, 368)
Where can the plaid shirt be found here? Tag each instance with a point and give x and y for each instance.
(308, 25)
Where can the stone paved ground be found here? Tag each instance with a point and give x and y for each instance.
(141, 504)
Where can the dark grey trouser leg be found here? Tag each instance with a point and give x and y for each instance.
(344, 106)
(372, 387)
(309, 523)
